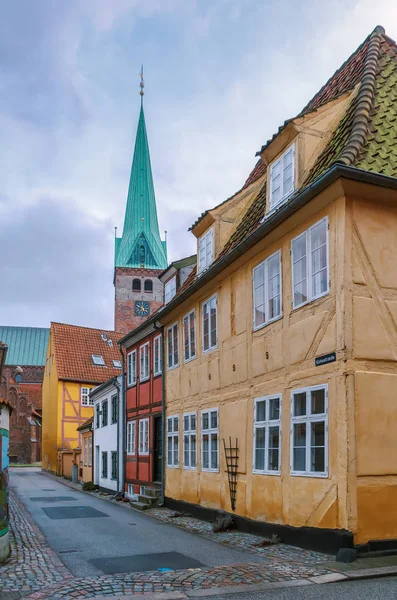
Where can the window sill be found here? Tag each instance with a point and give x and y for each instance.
(130, 454)
(311, 475)
(257, 472)
(143, 453)
(210, 349)
(173, 367)
(188, 360)
(210, 470)
(311, 300)
(189, 468)
(131, 385)
(157, 374)
(172, 466)
(259, 327)
(143, 379)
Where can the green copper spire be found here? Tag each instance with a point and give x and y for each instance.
(140, 244)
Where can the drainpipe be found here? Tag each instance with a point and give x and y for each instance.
(162, 420)
(123, 412)
(119, 450)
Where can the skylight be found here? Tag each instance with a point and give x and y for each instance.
(97, 359)
(117, 364)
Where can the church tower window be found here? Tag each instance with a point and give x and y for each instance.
(148, 285)
(136, 285)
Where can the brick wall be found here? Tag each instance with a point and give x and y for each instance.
(125, 297)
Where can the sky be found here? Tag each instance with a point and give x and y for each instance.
(220, 77)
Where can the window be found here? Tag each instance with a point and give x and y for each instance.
(173, 441)
(143, 436)
(97, 414)
(189, 336)
(97, 359)
(148, 285)
(157, 355)
(169, 290)
(205, 250)
(267, 434)
(131, 437)
(310, 264)
(144, 361)
(85, 459)
(309, 431)
(131, 368)
(104, 413)
(172, 338)
(85, 397)
(136, 285)
(282, 174)
(114, 465)
(104, 465)
(210, 324)
(90, 451)
(114, 409)
(267, 290)
(189, 441)
(130, 492)
(117, 364)
(209, 440)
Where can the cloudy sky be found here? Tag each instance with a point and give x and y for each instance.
(221, 76)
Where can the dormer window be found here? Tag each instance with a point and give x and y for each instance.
(205, 250)
(169, 290)
(282, 178)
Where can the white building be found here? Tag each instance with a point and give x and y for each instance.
(108, 429)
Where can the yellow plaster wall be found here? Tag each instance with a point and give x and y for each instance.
(276, 359)
(69, 397)
(374, 352)
(50, 411)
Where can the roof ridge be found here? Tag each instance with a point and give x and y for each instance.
(365, 99)
(84, 327)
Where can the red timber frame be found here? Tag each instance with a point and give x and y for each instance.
(143, 401)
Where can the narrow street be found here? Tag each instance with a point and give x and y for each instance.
(67, 544)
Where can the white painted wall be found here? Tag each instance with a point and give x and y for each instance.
(105, 438)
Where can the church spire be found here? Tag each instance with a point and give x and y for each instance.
(140, 245)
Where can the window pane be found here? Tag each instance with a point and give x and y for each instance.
(186, 423)
(299, 451)
(186, 450)
(206, 462)
(205, 420)
(176, 424)
(193, 451)
(317, 401)
(214, 419)
(169, 450)
(261, 411)
(214, 340)
(299, 247)
(214, 451)
(176, 450)
(260, 448)
(169, 425)
(274, 307)
(319, 283)
(193, 422)
(274, 409)
(317, 447)
(300, 293)
(206, 343)
(300, 404)
(319, 235)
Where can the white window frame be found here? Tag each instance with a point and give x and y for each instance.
(131, 438)
(98, 360)
(189, 433)
(173, 437)
(90, 451)
(308, 419)
(309, 271)
(264, 266)
(85, 452)
(173, 364)
(143, 442)
(279, 163)
(190, 337)
(85, 397)
(210, 431)
(144, 362)
(169, 289)
(266, 424)
(208, 302)
(130, 492)
(205, 250)
(131, 368)
(157, 355)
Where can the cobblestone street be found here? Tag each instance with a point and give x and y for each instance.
(35, 570)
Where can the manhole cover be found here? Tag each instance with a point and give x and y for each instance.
(65, 552)
(72, 512)
(52, 498)
(145, 562)
(48, 490)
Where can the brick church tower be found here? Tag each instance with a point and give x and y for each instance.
(140, 254)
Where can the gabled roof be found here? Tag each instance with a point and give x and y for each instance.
(73, 350)
(86, 425)
(140, 243)
(27, 346)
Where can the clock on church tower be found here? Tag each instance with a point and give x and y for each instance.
(142, 308)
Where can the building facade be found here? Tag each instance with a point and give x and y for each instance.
(108, 428)
(280, 357)
(23, 378)
(78, 359)
(140, 254)
(5, 412)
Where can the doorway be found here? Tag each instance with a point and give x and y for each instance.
(158, 450)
